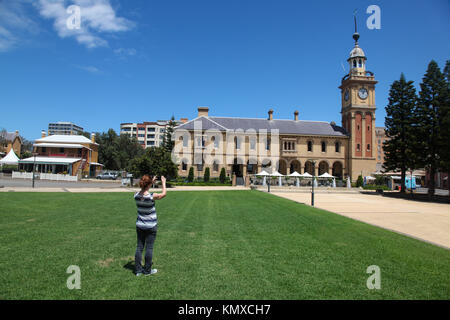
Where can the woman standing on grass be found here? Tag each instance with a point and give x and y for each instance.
(146, 223)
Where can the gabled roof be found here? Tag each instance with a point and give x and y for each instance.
(302, 127)
(9, 136)
(65, 139)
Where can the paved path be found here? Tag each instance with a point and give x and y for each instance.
(423, 220)
(113, 189)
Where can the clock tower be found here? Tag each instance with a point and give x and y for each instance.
(358, 114)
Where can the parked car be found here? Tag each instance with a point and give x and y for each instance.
(107, 176)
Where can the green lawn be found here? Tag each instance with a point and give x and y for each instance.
(210, 245)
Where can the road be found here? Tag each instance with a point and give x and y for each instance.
(23, 183)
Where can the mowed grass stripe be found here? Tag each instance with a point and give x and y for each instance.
(210, 245)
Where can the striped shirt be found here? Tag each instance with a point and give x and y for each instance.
(146, 211)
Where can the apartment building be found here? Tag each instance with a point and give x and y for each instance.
(149, 133)
(64, 128)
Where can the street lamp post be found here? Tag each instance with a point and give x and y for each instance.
(312, 183)
(34, 166)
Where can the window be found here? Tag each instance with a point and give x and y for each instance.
(354, 63)
(61, 150)
(268, 144)
(141, 135)
(324, 146)
(360, 63)
(289, 145)
(368, 147)
(150, 143)
(150, 136)
(252, 143)
(216, 142)
(310, 146)
(44, 149)
(150, 129)
(358, 147)
(185, 142)
(141, 129)
(357, 127)
(184, 166)
(200, 167)
(337, 147)
(237, 143)
(215, 166)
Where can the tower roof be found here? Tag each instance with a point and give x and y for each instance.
(357, 52)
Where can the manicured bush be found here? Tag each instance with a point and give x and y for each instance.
(222, 175)
(206, 175)
(191, 174)
(359, 182)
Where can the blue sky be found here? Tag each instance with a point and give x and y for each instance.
(144, 60)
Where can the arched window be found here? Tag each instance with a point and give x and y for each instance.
(354, 63)
(360, 63)
(358, 147)
(184, 165)
(215, 166)
(310, 146)
(337, 147)
(368, 147)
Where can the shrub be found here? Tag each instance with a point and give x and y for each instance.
(222, 176)
(360, 181)
(206, 175)
(191, 174)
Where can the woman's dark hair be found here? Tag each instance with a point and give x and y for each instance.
(146, 180)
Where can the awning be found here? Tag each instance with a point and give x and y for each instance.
(96, 164)
(50, 160)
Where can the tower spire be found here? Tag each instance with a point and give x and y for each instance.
(356, 34)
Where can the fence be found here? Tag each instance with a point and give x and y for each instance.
(43, 176)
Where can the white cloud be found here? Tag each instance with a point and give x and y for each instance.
(90, 69)
(14, 24)
(125, 52)
(97, 16)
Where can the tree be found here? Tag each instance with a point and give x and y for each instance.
(429, 115)
(115, 152)
(26, 150)
(168, 142)
(445, 128)
(191, 174)
(155, 161)
(206, 175)
(399, 123)
(222, 176)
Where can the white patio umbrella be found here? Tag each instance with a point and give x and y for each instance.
(306, 175)
(279, 175)
(326, 175)
(349, 183)
(263, 174)
(295, 174)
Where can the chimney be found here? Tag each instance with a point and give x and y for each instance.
(203, 111)
(93, 137)
(270, 114)
(183, 120)
(296, 115)
(43, 134)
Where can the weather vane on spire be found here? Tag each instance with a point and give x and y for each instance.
(356, 34)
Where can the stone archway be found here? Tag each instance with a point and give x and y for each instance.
(295, 165)
(337, 169)
(309, 167)
(323, 167)
(282, 166)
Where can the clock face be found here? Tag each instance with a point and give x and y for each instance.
(346, 95)
(362, 93)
